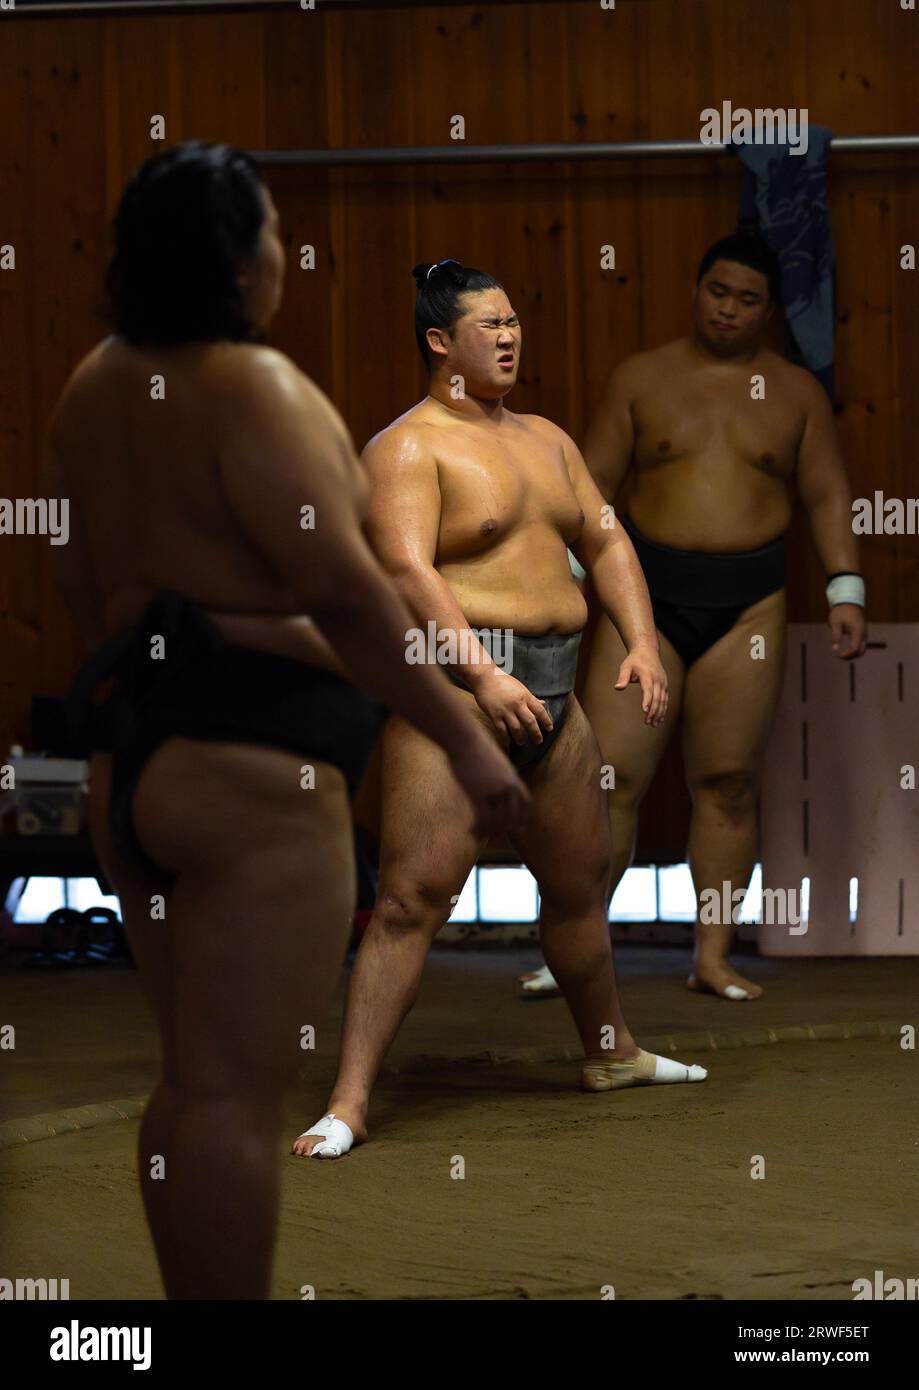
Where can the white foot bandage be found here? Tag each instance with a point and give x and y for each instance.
(734, 992)
(338, 1137)
(646, 1070)
(542, 985)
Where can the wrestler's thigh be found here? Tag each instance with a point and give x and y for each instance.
(260, 905)
(565, 840)
(626, 742)
(731, 694)
(426, 825)
(150, 940)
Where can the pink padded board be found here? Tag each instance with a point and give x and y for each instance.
(832, 804)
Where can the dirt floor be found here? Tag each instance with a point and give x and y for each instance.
(649, 1191)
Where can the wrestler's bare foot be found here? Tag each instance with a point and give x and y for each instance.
(713, 975)
(330, 1137)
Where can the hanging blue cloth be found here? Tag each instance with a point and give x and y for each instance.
(784, 198)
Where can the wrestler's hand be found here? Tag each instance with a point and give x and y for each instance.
(643, 664)
(499, 798)
(847, 629)
(514, 710)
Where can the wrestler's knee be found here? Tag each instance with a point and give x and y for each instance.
(256, 1069)
(569, 889)
(625, 796)
(413, 902)
(733, 793)
(257, 1093)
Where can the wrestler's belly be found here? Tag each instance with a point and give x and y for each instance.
(704, 518)
(531, 604)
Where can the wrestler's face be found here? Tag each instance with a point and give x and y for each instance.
(731, 307)
(484, 348)
(262, 279)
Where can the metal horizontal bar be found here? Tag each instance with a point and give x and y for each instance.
(74, 8)
(532, 154)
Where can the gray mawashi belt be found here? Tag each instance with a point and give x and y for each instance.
(545, 665)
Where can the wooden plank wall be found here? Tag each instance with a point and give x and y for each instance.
(77, 96)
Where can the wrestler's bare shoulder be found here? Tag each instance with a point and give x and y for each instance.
(545, 428)
(412, 436)
(255, 372)
(246, 370)
(93, 373)
(257, 386)
(795, 383)
(645, 370)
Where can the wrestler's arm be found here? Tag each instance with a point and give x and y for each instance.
(608, 556)
(610, 438)
(283, 448)
(823, 487)
(403, 521)
(602, 469)
(605, 551)
(72, 565)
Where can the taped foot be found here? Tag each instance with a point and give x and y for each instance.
(647, 1069)
(539, 984)
(336, 1139)
(724, 982)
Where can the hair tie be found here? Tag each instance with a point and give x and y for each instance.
(441, 265)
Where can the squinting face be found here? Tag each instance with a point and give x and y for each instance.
(484, 348)
(731, 306)
(262, 280)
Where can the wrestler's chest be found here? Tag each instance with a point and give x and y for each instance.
(487, 496)
(757, 430)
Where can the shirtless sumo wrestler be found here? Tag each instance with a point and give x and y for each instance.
(471, 511)
(184, 513)
(712, 498)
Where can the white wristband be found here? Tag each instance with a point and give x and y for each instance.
(846, 588)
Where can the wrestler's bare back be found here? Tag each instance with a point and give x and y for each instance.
(507, 512)
(121, 453)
